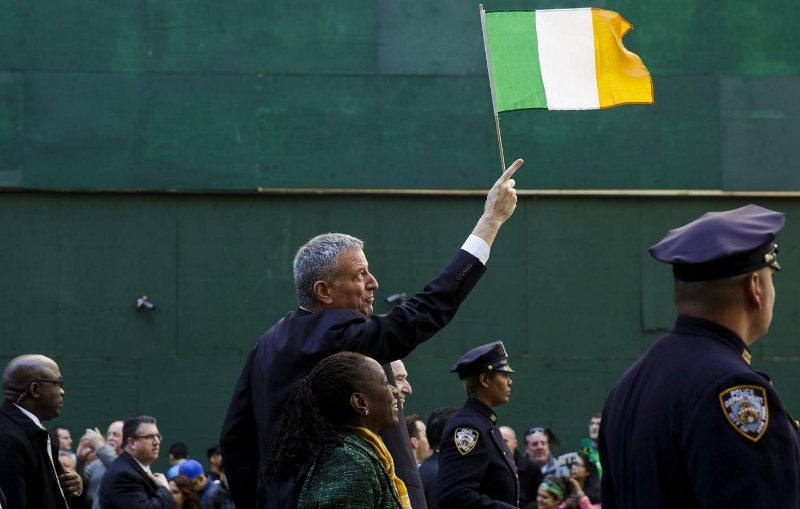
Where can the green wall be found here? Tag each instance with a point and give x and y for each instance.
(135, 138)
(570, 289)
(377, 94)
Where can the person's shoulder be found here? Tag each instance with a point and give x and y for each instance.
(344, 464)
(354, 452)
(466, 417)
(121, 465)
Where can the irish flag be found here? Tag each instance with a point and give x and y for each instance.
(562, 59)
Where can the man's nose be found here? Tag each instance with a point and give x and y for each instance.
(407, 387)
(372, 283)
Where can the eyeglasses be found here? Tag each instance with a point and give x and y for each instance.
(531, 431)
(59, 383)
(152, 437)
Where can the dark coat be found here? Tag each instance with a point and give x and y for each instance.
(476, 469)
(127, 486)
(26, 473)
(530, 477)
(692, 425)
(396, 440)
(429, 473)
(294, 345)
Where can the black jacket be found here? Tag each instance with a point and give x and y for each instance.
(26, 474)
(291, 349)
(127, 486)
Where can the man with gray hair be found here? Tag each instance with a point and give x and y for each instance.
(30, 474)
(335, 294)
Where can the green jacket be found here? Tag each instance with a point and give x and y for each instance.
(349, 477)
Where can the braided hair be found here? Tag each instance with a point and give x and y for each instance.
(316, 410)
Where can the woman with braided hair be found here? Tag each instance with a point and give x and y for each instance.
(329, 429)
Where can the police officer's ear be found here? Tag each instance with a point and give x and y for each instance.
(754, 289)
(484, 380)
(323, 292)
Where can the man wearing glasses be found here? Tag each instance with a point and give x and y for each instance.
(129, 483)
(33, 392)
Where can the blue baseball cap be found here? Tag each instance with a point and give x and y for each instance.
(483, 359)
(191, 469)
(722, 244)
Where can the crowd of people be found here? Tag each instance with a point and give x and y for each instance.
(40, 469)
(316, 418)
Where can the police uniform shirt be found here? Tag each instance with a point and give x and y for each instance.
(692, 425)
(476, 469)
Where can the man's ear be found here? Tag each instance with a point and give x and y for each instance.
(323, 291)
(754, 290)
(483, 379)
(414, 442)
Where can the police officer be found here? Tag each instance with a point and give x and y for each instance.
(692, 424)
(476, 469)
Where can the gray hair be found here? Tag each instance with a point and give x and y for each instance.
(318, 260)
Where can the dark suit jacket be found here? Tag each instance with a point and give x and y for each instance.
(294, 345)
(396, 439)
(26, 474)
(429, 473)
(127, 486)
(530, 477)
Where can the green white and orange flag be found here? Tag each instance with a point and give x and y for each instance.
(562, 59)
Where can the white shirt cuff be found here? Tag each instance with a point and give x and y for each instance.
(477, 247)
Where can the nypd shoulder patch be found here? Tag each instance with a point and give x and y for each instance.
(745, 408)
(465, 439)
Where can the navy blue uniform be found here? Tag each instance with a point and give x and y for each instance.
(476, 469)
(692, 425)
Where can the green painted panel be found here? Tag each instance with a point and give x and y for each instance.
(110, 252)
(305, 36)
(86, 35)
(80, 128)
(564, 309)
(760, 39)
(759, 118)
(97, 390)
(123, 131)
(180, 36)
(375, 132)
(10, 129)
(29, 269)
(233, 96)
(435, 39)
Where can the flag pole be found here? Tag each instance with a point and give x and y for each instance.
(500, 143)
(491, 88)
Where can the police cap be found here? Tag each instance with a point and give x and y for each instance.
(722, 244)
(483, 359)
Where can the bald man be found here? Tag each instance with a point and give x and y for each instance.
(29, 477)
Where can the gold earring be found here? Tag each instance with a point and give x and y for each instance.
(366, 411)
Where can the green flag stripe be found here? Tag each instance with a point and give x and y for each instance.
(513, 50)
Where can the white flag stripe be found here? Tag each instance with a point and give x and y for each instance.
(566, 57)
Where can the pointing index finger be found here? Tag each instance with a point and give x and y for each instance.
(511, 170)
